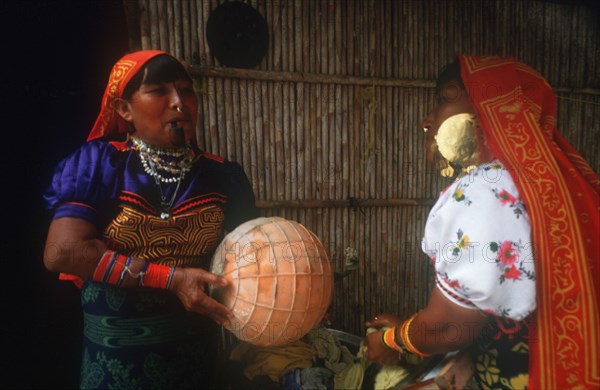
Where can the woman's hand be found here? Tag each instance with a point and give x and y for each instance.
(385, 319)
(377, 351)
(188, 285)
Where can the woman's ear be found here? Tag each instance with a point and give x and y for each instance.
(123, 108)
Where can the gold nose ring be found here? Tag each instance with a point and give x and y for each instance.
(178, 109)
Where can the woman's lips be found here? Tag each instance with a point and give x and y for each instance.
(176, 134)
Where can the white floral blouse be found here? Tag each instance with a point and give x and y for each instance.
(478, 237)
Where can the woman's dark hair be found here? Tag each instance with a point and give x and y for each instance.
(450, 72)
(160, 69)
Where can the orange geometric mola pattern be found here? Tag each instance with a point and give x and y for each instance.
(516, 109)
(185, 240)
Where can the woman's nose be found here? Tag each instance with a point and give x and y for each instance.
(175, 97)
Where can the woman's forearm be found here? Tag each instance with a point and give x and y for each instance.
(72, 247)
(444, 326)
(443, 336)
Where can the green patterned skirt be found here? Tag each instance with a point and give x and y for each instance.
(142, 338)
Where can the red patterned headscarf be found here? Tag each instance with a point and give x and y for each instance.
(516, 109)
(109, 122)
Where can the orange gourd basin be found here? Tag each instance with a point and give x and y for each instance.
(280, 280)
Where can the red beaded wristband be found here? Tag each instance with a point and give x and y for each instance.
(102, 266)
(158, 276)
(117, 269)
(113, 268)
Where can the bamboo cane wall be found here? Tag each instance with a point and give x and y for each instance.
(327, 126)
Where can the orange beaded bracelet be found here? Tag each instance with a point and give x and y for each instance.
(389, 339)
(404, 330)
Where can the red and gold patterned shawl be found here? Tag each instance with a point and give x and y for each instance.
(516, 108)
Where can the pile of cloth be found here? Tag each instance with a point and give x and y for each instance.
(316, 362)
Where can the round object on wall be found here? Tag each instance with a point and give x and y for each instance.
(280, 280)
(237, 35)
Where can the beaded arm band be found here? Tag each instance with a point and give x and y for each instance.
(114, 267)
(389, 339)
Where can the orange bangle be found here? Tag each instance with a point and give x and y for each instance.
(406, 340)
(389, 339)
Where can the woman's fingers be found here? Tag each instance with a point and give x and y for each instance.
(381, 320)
(210, 278)
(189, 287)
(207, 305)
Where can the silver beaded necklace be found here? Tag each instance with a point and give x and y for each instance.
(151, 159)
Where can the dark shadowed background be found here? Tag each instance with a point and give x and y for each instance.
(56, 56)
